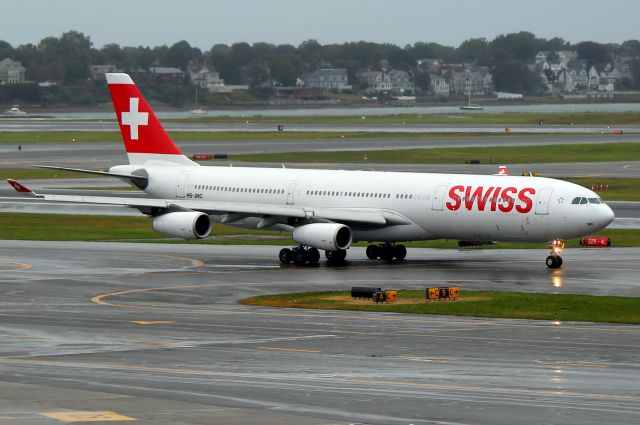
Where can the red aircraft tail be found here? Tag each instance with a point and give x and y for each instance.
(144, 137)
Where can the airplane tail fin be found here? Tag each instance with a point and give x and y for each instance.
(144, 137)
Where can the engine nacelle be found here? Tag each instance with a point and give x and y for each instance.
(183, 224)
(327, 236)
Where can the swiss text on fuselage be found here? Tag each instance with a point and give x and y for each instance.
(492, 198)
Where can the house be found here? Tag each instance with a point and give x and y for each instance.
(401, 82)
(328, 79)
(98, 71)
(376, 81)
(476, 80)
(439, 85)
(205, 78)
(166, 74)
(574, 78)
(11, 72)
(609, 77)
(594, 79)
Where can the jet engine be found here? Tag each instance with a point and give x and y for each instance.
(183, 224)
(327, 236)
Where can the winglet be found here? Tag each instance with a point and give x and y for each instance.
(19, 187)
(503, 171)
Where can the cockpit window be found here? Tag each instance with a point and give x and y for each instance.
(576, 200)
(583, 201)
(595, 201)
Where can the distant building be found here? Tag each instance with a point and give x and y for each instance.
(11, 72)
(206, 78)
(609, 77)
(328, 79)
(401, 82)
(98, 71)
(574, 78)
(439, 85)
(166, 74)
(376, 81)
(476, 80)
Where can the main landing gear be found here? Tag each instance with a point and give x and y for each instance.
(303, 255)
(554, 261)
(386, 252)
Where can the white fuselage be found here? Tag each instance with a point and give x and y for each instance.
(440, 206)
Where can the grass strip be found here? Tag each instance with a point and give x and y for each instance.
(514, 305)
(617, 189)
(597, 152)
(39, 174)
(532, 118)
(72, 227)
(68, 227)
(23, 137)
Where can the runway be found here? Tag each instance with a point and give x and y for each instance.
(100, 155)
(152, 332)
(80, 125)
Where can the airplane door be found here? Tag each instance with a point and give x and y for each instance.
(291, 192)
(181, 187)
(542, 203)
(438, 197)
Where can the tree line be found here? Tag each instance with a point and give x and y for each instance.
(66, 59)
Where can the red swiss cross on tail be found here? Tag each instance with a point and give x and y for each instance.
(144, 137)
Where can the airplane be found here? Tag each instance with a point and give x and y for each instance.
(331, 209)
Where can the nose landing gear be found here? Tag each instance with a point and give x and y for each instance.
(554, 261)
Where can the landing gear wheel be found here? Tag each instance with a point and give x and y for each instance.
(554, 261)
(387, 252)
(336, 256)
(373, 252)
(300, 257)
(285, 256)
(313, 256)
(400, 252)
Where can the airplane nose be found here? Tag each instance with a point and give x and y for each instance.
(607, 216)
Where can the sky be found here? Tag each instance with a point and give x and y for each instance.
(204, 23)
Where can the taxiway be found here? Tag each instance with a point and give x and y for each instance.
(152, 332)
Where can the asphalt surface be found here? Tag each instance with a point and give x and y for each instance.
(106, 154)
(43, 124)
(153, 333)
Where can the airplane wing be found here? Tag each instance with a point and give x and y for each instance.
(234, 210)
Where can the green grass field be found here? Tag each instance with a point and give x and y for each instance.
(588, 118)
(63, 227)
(20, 226)
(23, 137)
(619, 189)
(515, 305)
(39, 173)
(601, 152)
